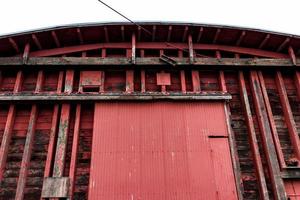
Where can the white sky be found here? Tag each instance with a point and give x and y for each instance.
(274, 15)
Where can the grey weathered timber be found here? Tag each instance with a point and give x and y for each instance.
(113, 96)
(56, 187)
(92, 61)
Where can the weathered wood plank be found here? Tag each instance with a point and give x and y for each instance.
(266, 135)
(98, 61)
(55, 187)
(253, 139)
(104, 97)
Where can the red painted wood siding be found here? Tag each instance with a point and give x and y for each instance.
(161, 150)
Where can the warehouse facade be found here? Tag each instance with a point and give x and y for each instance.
(156, 111)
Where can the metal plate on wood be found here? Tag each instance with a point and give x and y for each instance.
(56, 187)
(163, 78)
(159, 150)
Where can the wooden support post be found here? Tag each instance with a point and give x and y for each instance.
(292, 55)
(129, 81)
(182, 80)
(133, 48)
(9, 127)
(0, 78)
(143, 75)
(26, 53)
(191, 49)
(288, 115)
(72, 173)
(267, 140)
(53, 130)
(196, 81)
(271, 121)
(234, 154)
(297, 83)
(222, 82)
(26, 154)
(103, 53)
(253, 140)
(69, 81)
(61, 147)
(39, 82)
(182, 74)
(29, 141)
(52, 138)
(231, 138)
(6, 139)
(143, 81)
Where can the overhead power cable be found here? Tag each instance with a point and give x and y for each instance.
(144, 29)
(125, 17)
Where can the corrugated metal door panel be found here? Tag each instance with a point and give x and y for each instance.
(155, 150)
(222, 165)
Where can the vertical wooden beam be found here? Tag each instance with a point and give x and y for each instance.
(169, 34)
(129, 81)
(231, 138)
(196, 81)
(52, 138)
(1, 78)
(153, 33)
(234, 154)
(6, 139)
(191, 49)
(63, 129)
(26, 154)
(122, 33)
(218, 31)
(39, 82)
(106, 34)
(182, 74)
(9, 127)
(292, 55)
(61, 147)
(26, 53)
(288, 115)
(186, 29)
(69, 81)
(72, 173)
(79, 34)
(200, 34)
(222, 82)
(253, 139)
(143, 75)
(297, 83)
(272, 122)
(133, 48)
(53, 130)
(103, 55)
(29, 142)
(267, 140)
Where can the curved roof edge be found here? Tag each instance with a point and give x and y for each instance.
(91, 24)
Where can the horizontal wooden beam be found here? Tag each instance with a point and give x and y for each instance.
(243, 62)
(115, 96)
(159, 46)
(291, 173)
